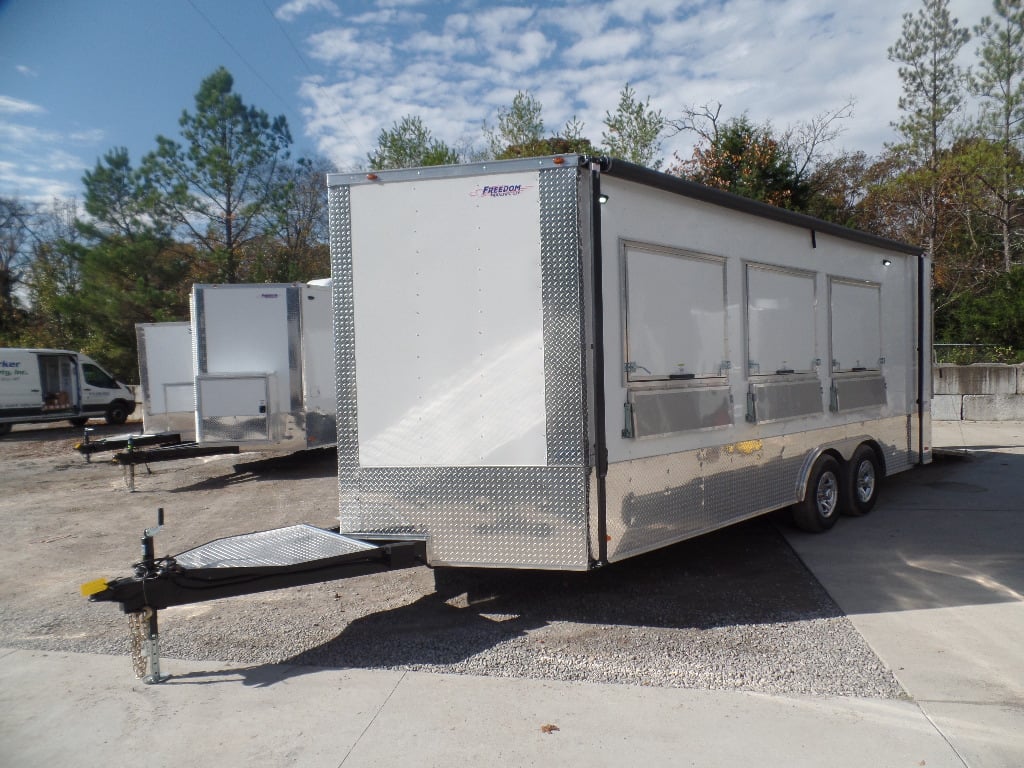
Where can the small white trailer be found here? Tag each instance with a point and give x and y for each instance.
(263, 363)
(562, 362)
(165, 374)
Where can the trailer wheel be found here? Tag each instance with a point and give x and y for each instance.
(5, 428)
(819, 509)
(117, 413)
(860, 486)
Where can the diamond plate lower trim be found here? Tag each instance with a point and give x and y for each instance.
(517, 517)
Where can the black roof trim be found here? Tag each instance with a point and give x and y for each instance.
(641, 175)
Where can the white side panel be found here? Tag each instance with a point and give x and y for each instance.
(317, 339)
(180, 398)
(856, 324)
(675, 313)
(19, 379)
(168, 362)
(780, 321)
(448, 323)
(247, 332)
(232, 396)
(804, 263)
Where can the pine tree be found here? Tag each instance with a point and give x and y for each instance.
(634, 130)
(219, 186)
(933, 90)
(999, 82)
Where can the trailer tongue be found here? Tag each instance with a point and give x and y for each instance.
(239, 565)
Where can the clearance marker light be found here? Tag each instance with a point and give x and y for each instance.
(372, 176)
(559, 161)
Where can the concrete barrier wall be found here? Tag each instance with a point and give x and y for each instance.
(985, 392)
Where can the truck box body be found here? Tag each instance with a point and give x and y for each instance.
(40, 385)
(530, 377)
(264, 365)
(165, 373)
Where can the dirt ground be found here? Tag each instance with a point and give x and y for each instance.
(734, 609)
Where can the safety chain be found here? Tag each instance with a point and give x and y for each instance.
(138, 638)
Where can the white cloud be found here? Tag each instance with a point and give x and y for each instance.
(295, 8)
(13, 106)
(345, 48)
(612, 45)
(26, 71)
(778, 61)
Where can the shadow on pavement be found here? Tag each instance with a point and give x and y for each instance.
(947, 534)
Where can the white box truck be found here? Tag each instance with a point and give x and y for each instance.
(563, 362)
(40, 385)
(166, 377)
(263, 364)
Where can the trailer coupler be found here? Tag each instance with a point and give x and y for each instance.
(239, 565)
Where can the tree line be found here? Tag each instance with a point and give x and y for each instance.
(225, 201)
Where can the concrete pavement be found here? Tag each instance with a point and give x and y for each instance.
(933, 579)
(934, 582)
(87, 711)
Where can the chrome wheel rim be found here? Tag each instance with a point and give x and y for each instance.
(827, 494)
(865, 481)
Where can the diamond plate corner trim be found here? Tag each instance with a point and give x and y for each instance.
(199, 337)
(293, 310)
(340, 217)
(562, 299)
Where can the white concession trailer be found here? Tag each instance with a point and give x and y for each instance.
(558, 362)
(562, 362)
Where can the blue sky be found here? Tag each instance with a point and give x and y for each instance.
(80, 77)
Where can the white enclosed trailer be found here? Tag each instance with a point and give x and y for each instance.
(165, 373)
(558, 362)
(264, 365)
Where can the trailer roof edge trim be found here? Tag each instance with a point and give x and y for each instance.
(641, 175)
(451, 171)
(629, 172)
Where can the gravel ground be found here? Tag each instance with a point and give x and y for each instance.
(732, 610)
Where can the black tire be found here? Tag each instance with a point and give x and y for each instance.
(5, 428)
(821, 504)
(117, 413)
(861, 481)
(79, 421)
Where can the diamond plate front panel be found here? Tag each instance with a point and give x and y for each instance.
(664, 499)
(519, 517)
(529, 517)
